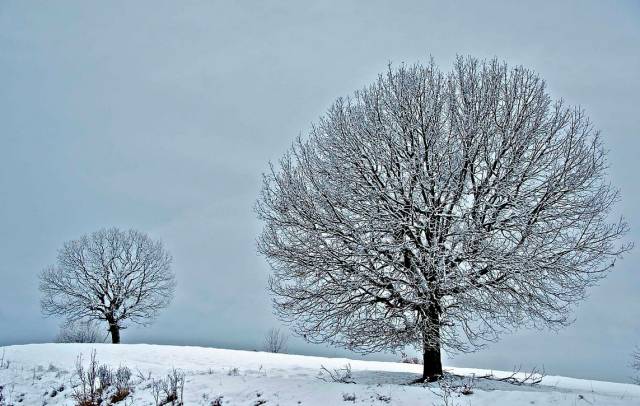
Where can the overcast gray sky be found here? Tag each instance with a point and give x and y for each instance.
(162, 115)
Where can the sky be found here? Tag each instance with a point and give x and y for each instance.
(162, 116)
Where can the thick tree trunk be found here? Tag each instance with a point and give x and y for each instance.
(432, 363)
(114, 329)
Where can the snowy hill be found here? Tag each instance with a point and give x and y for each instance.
(44, 374)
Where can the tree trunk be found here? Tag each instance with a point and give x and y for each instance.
(432, 364)
(114, 329)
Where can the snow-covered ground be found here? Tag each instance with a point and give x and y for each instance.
(258, 378)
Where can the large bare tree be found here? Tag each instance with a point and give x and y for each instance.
(111, 275)
(438, 210)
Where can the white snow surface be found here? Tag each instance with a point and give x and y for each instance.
(259, 378)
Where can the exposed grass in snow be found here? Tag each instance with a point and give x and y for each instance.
(44, 374)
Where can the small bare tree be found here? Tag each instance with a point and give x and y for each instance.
(79, 332)
(111, 275)
(276, 341)
(438, 210)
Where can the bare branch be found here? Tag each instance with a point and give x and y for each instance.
(79, 332)
(340, 375)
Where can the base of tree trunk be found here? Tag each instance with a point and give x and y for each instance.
(431, 364)
(425, 380)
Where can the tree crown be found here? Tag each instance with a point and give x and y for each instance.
(438, 207)
(110, 275)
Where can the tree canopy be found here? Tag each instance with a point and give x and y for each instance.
(111, 275)
(438, 210)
